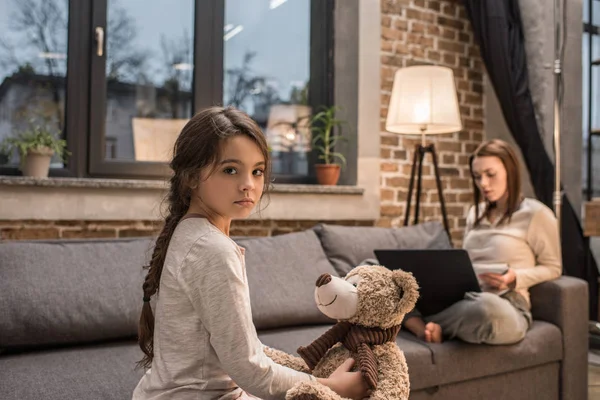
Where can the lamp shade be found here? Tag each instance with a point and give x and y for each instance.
(423, 101)
(287, 127)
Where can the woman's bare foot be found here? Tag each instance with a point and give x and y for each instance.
(433, 333)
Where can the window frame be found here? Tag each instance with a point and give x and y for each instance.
(84, 113)
(594, 32)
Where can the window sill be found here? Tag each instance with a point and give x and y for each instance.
(25, 198)
(90, 183)
(87, 183)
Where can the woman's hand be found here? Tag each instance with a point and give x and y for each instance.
(345, 383)
(499, 281)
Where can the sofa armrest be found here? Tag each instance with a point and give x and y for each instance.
(564, 303)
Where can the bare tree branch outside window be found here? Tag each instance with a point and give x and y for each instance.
(125, 62)
(177, 69)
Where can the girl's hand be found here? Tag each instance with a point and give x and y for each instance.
(499, 281)
(347, 384)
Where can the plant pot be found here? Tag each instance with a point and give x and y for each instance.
(327, 174)
(37, 163)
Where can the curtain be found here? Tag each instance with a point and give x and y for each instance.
(498, 31)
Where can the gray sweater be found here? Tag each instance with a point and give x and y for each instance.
(529, 244)
(205, 343)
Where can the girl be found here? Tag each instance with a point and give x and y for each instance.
(203, 344)
(505, 228)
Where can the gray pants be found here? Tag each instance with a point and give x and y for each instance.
(485, 318)
(481, 317)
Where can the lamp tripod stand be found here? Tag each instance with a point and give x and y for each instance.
(420, 151)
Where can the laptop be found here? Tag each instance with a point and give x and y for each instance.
(443, 276)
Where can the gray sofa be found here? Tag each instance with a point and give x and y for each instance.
(69, 312)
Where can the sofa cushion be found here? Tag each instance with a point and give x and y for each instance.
(457, 361)
(418, 356)
(104, 371)
(282, 271)
(539, 382)
(69, 291)
(107, 371)
(347, 246)
(431, 364)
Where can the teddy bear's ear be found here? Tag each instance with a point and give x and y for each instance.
(408, 287)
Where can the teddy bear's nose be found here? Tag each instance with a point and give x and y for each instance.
(323, 280)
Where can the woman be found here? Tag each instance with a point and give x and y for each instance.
(504, 228)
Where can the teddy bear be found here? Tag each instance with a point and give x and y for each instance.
(369, 305)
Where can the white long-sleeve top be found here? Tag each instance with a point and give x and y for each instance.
(529, 244)
(205, 343)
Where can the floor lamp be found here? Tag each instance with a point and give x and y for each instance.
(423, 102)
(288, 134)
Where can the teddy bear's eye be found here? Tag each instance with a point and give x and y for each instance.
(354, 280)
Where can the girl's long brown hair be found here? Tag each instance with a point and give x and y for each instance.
(502, 150)
(197, 147)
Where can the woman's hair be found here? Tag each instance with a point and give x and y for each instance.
(197, 147)
(502, 150)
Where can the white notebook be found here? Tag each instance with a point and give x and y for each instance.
(490, 268)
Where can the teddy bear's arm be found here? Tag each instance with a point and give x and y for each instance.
(287, 360)
(312, 353)
(367, 364)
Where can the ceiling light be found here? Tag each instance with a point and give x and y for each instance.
(56, 56)
(276, 3)
(183, 66)
(233, 32)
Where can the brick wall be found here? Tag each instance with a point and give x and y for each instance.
(430, 32)
(36, 229)
(27, 230)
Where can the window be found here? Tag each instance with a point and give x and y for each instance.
(266, 74)
(591, 99)
(33, 69)
(140, 70)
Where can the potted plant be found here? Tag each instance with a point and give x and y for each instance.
(324, 140)
(36, 146)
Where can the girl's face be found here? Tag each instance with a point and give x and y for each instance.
(491, 178)
(236, 184)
